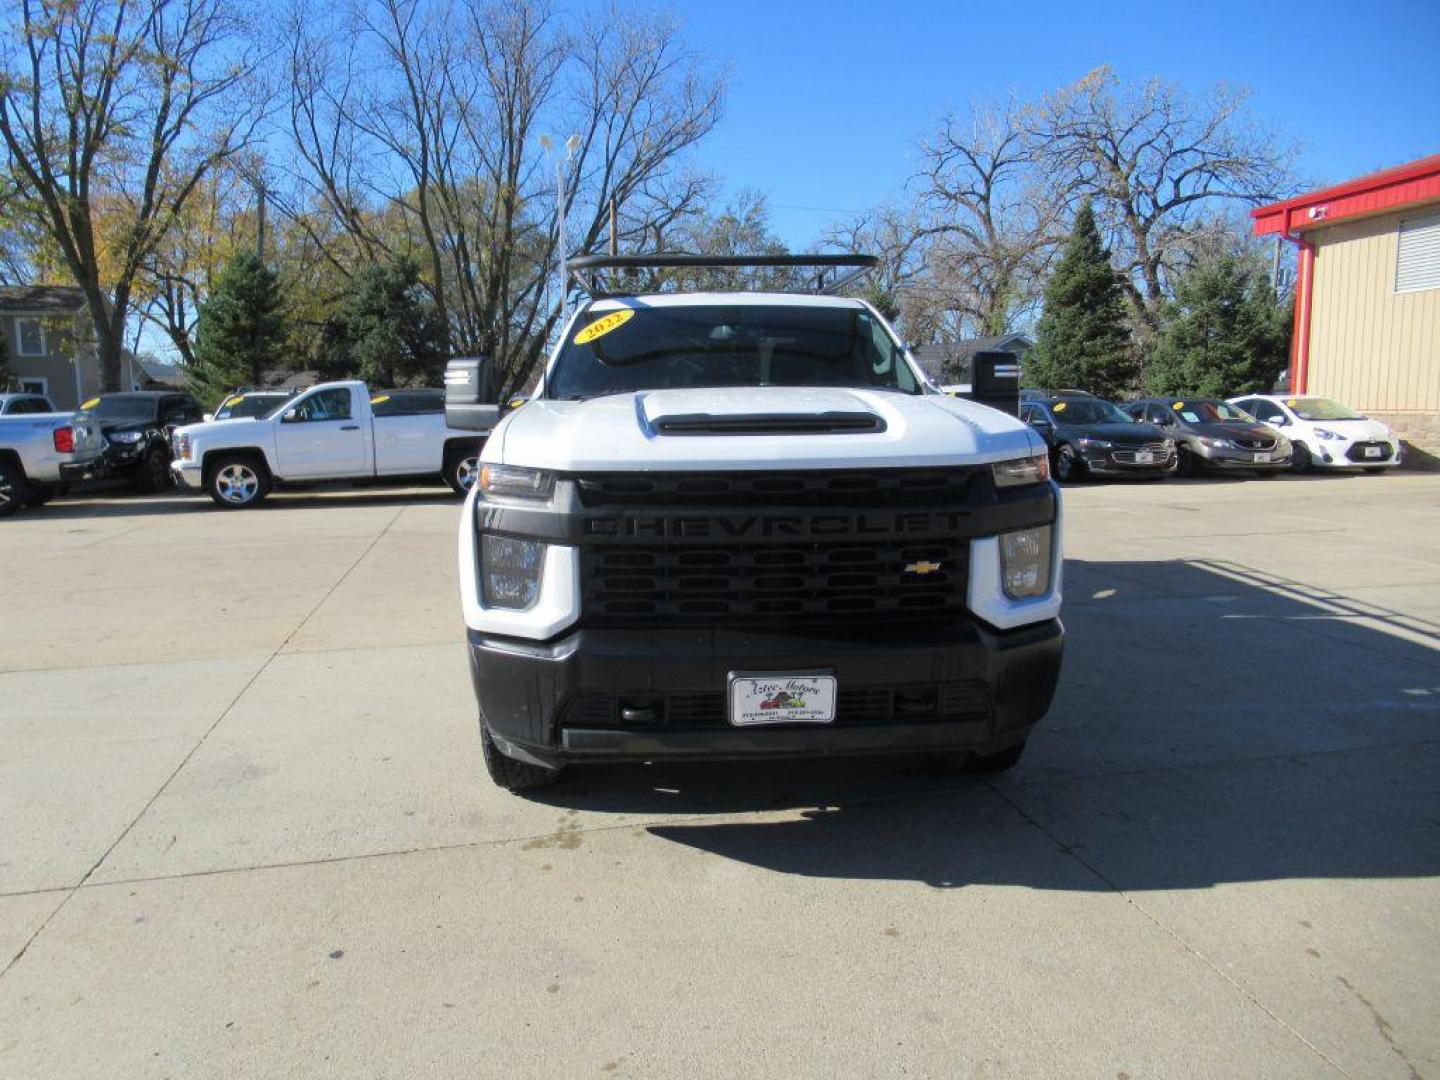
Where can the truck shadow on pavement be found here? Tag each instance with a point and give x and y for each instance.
(1214, 724)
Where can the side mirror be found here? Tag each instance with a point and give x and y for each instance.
(469, 395)
(207, 417)
(1039, 422)
(1278, 420)
(290, 416)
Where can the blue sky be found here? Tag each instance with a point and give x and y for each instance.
(828, 100)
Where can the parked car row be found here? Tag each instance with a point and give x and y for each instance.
(333, 433)
(1258, 434)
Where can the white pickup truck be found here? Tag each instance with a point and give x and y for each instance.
(334, 432)
(40, 452)
(740, 525)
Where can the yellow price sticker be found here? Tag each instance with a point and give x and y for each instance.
(1178, 406)
(603, 325)
(1059, 406)
(90, 404)
(236, 400)
(1292, 403)
(379, 399)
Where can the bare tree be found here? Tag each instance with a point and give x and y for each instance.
(1157, 163)
(417, 131)
(112, 112)
(994, 217)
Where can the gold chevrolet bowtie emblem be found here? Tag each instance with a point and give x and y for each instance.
(922, 567)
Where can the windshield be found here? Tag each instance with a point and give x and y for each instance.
(1319, 408)
(1088, 411)
(1211, 412)
(243, 405)
(120, 408)
(663, 348)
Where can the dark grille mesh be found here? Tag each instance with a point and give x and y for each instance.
(773, 582)
(866, 705)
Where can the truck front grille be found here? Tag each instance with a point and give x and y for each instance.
(766, 583)
(912, 704)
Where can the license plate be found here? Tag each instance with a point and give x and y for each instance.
(1259, 458)
(1372, 451)
(1144, 457)
(781, 697)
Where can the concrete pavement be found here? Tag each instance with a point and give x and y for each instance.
(247, 832)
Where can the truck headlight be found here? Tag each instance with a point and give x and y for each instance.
(1025, 562)
(512, 482)
(1025, 470)
(510, 571)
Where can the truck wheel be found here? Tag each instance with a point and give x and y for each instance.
(237, 482)
(462, 470)
(510, 774)
(10, 485)
(998, 761)
(153, 473)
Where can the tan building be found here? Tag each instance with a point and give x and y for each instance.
(50, 345)
(1367, 296)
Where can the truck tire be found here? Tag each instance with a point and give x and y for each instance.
(153, 472)
(997, 762)
(510, 774)
(11, 485)
(237, 482)
(462, 470)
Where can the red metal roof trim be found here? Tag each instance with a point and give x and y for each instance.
(1389, 189)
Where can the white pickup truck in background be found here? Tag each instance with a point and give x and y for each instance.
(41, 452)
(334, 432)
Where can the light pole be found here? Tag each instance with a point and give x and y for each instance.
(561, 206)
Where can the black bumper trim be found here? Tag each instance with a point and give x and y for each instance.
(524, 687)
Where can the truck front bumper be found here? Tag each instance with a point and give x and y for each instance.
(601, 694)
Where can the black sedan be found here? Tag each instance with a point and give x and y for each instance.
(1089, 436)
(137, 430)
(1213, 435)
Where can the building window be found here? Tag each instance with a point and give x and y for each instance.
(1417, 255)
(35, 386)
(29, 337)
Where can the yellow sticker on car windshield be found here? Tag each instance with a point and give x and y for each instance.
(90, 404)
(1059, 406)
(236, 399)
(1292, 403)
(603, 325)
(1178, 406)
(378, 398)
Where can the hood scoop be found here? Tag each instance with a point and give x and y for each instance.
(769, 423)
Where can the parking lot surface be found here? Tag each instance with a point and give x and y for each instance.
(247, 831)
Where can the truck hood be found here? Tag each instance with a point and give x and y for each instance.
(756, 428)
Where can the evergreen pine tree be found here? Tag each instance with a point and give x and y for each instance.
(241, 329)
(386, 331)
(1223, 334)
(1083, 340)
